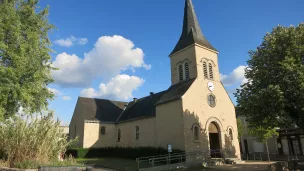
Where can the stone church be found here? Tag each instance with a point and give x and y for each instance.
(194, 114)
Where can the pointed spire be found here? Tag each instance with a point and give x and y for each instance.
(191, 31)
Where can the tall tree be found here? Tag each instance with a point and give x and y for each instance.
(274, 94)
(24, 57)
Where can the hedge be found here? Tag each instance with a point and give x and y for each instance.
(127, 153)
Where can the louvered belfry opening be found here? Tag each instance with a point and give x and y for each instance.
(205, 70)
(181, 73)
(187, 75)
(210, 71)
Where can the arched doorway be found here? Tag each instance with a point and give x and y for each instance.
(214, 140)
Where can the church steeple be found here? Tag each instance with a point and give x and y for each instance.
(191, 33)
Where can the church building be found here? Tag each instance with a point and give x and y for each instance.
(194, 114)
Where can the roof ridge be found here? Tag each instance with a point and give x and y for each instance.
(101, 99)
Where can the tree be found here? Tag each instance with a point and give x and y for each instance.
(24, 57)
(240, 128)
(262, 134)
(274, 94)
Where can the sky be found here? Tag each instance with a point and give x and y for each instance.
(119, 49)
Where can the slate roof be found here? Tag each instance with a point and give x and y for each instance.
(113, 111)
(146, 106)
(100, 109)
(191, 33)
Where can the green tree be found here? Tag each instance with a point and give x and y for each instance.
(274, 94)
(24, 57)
(262, 134)
(240, 128)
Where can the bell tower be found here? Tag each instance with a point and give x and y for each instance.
(193, 55)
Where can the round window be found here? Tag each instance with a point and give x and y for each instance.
(211, 100)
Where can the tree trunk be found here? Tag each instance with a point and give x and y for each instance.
(267, 151)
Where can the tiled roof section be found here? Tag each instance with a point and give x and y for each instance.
(100, 109)
(113, 111)
(144, 107)
(175, 92)
(191, 33)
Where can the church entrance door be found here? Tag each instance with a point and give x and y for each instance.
(214, 140)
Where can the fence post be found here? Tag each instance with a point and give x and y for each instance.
(261, 156)
(247, 156)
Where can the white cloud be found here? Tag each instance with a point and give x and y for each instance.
(64, 42)
(83, 41)
(235, 77)
(66, 98)
(70, 41)
(118, 88)
(109, 57)
(58, 93)
(55, 91)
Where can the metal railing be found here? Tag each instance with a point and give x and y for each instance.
(272, 156)
(199, 156)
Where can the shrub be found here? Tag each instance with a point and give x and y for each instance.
(27, 164)
(4, 163)
(34, 138)
(128, 153)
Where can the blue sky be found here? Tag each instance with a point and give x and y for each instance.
(119, 49)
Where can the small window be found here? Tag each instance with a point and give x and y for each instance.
(230, 134)
(196, 133)
(118, 135)
(181, 74)
(137, 132)
(205, 70)
(103, 130)
(187, 76)
(211, 100)
(210, 71)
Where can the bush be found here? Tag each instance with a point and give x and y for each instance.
(34, 138)
(27, 164)
(127, 153)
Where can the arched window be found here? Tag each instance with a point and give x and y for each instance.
(205, 70)
(118, 135)
(196, 132)
(210, 71)
(137, 132)
(181, 73)
(230, 134)
(187, 76)
(211, 100)
(103, 130)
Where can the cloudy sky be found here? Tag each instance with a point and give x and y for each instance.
(119, 49)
